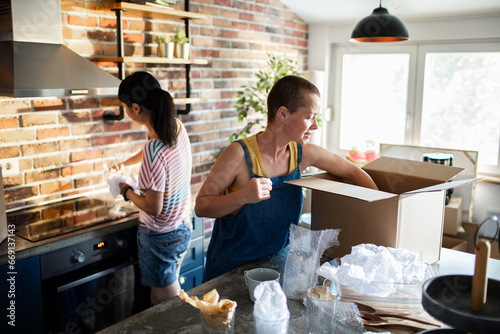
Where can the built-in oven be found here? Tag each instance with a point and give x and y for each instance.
(93, 284)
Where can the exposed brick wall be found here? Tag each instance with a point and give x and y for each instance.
(62, 142)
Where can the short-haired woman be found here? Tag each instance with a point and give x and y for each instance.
(246, 190)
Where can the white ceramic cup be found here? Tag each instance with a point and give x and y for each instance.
(256, 276)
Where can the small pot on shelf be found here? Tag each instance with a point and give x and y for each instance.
(170, 47)
(182, 51)
(181, 44)
(165, 47)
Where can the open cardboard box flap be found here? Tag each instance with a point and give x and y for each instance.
(321, 182)
(393, 177)
(444, 186)
(411, 168)
(400, 176)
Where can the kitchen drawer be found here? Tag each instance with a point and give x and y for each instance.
(197, 227)
(191, 278)
(194, 255)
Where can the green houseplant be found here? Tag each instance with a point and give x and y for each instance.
(181, 44)
(160, 39)
(251, 99)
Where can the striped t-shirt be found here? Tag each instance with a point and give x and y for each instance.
(167, 169)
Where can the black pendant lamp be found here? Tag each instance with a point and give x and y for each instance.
(379, 27)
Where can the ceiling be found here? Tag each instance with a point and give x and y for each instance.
(346, 11)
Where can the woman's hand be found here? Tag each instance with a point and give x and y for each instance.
(230, 170)
(258, 189)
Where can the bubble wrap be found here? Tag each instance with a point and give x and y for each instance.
(305, 250)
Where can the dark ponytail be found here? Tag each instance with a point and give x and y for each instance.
(142, 88)
(163, 117)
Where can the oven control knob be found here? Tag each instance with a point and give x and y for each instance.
(78, 256)
(122, 243)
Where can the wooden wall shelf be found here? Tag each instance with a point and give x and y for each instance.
(153, 60)
(155, 12)
(179, 100)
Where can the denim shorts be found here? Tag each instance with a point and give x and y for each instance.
(161, 254)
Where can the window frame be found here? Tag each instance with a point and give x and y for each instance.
(417, 53)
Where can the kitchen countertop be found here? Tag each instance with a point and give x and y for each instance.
(25, 249)
(176, 316)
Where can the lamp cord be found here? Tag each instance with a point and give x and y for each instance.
(497, 233)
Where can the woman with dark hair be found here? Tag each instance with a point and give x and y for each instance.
(246, 190)
(164, 182)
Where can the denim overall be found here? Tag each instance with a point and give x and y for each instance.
(257, 231)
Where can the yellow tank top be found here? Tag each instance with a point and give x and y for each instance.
(255, 157)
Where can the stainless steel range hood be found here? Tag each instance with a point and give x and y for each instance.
(33, 61)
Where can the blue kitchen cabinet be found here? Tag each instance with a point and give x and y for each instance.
(191, 278)
(21, 301)
(191, 273)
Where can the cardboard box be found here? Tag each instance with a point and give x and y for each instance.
(454, 243)
(453, 216)
(407, 212)
(461, 158)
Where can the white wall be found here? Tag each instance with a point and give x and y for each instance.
(322, 36)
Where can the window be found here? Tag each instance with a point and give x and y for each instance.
(461, 99)
(368, 105)
(434, 95)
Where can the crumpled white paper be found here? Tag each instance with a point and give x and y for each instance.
(115, 178)
(270, 305)
(369, 263)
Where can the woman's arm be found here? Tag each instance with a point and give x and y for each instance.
(336, 165)
(230, 169)
(135, 159)
(152, 203)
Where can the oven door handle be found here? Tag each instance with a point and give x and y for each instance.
(94, 276)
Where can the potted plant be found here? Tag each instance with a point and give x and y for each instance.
(165, 46)
(181, 44)
(251, 99)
